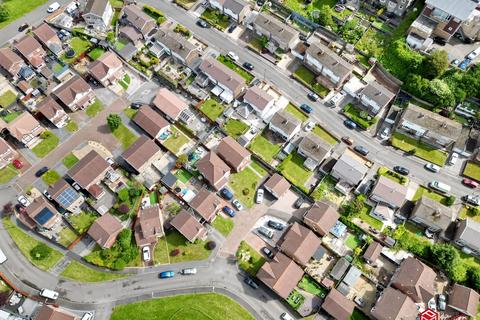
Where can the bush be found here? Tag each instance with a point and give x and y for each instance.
(124, 208)
(449, 201)
(114, 121)
(182, 30)
(40, 252)
(175, 252)
(155, 14)
(8, 208)
(245, 191)
(211, 245)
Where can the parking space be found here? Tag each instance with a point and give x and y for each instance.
(277, 234)
(456, 48)
(144, 93)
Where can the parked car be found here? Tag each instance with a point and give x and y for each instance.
(265, 232)
(455, 62)
(17, 164)
(251, 283)
(385, 133)
(268, 252)
(87, 316)
(359, 300)
(402, 170)
(432, 304)
(40, 172)
(464, 64)
(432, 167)
(361, 150)
(470, 183)
(23, 201)
(298, 203)
(146, 254)
(229, 211)
(453, 159)
(53, 7)
(306, 108)
(47, 195)
(227, 194)
(309, 126)
(337, 98)
(442, 302)
(471, 200)
(275, 225)
(350, 124)
(166, 274)
(189, 271)
(475, 53)
(313, 96)
(232, 55)
(439, 40)
(259, 197)
(236, 203)
(203, 23)
(428, 233)
(286, 316)
(23, 27)
(347, 140)
(231, 28)
(339, 8)
(248, 66)
(136, 104)
(439, 186)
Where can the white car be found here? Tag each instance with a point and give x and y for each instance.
(23, 201)
(189, 271)
(236, 203)
(442, 302)
(309, 126)
(286, 316)
(146, 254)
(232, 55)
(47, 195)
(453, 159)
(432, 167)
(87, 316)
(53, 7)
(472, 55)
(385, 133)
(337, 98)
(259, 197)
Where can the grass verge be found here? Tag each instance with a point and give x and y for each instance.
(78, 272)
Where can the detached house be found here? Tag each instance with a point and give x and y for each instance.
(299, 243)
(134, 16)
(277, 185)
(31, 50)
(394, 305)
(467, 236)
(98, 14)
(52, 111)
(7, 154)
(89, 172)
(11, 63)
(26, 129)
(105, 230)
(434, 216)
(236, 156)
(207, 204)
(321, 218)
(177, 46)
(415, 279)
(142, 153)
(66, 196)
(151, 122)
(148, 226)
(279, 34)
(48, 37)
(464, 300)
(349, 170)
(374, 98)
(43, 214)
(214, 170)
(171, 105)
(75, 94)
(285, 124)
(259, 100)
(108, 69)
(314, 149)
(235, 9)
(229, 84)
(188, 226)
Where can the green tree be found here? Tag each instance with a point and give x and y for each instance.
(436, 64)
(114, 121)
(4, 13)
(473, 277)
(448, 259)
(441, 93)
(324, 16)
(449, 201)
(123, 195)
(40, 252)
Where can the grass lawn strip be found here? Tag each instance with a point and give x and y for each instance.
(255, 165)
(175, 141)
(249, 259)
(183, 175)
(26, 243)
(293, 170)
(235, 128)
(125, 136)
(78, 272)
(244, 186)
(67, 237)
(322, 133)
(307, 78)
(223, 225)
(70, 160)
(188, 251)
(8, 173)
(81, 222)
(19, 8)
(392, 175)
(472, 170)
(46, 145)
(290, 108)
(71, 126)
(230, 64)
(96, 53)
(360, 117)
(367, 218)
(264, 148)
(9, 117)
(212, 109)
(423, 191)
(422, 150)
(51, 176)
(94, 109)
(7, 98)
(130, 113)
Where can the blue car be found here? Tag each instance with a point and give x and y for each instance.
(305, 107)
(227, 194)
(465, 63)
(229, 211)
(350, 124)
(166, 274)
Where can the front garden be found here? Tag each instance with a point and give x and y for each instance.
(244, 186)
(472, 170)
(232, 65)
(215, 18)
(48, 143)
(293, 170)
(249, 259)
(308, 78)
(174, 248)
(418, 149)
(362, 118)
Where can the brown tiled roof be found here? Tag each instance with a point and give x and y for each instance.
(39, 209)
(232, 152)
(22, 125)
(277, 29)
(138, 18)
(96, 191)
(28, 45)
(188, 226)
(323, 215)
(464, 300)
(88, 169)
(329, 59)
(176, 43)
(68, 91)
(373, 251)
(433, 213)
(8, 59)
(105, 230)
(46, 34)
(206, 204)
(299, 243)
(222, 74)
(257, 97)
(148, 226)
(49, 108)
(415, 279)
(281, 274)
(278, 184)
(47, 312)
(150, 121)
(337, 305)
(392, 192)
(100, 67)
(212, 168)
(394, 305)
(130, 33)
(140, 152)
(169, 103)
(4, 147)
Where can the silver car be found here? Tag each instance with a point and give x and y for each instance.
(259, 197)
(236, 203)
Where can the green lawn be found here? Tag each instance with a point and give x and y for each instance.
(215, 18)
(9, 117)
(81, 222)
(78, 272)
(290, 108)
(468, 212)
(223, 225)
(264, 148)
(7, 98)
(325, 135)
(212, 109)
(130, 113)
(119, 45)
(472, 170)
(125, 136)
(365, 216)
(70, 160)
(66, 237)
(293, 170)
(26, 243)
(79, 45)
(183, 175)
(175, 141)
(96, 53)
(249, 259)
(125, 81)
(19, 8)
(235, 128)
(392, 175)
(50, 177)
(71, 126)
(360, 117)
(8, 173)
(116, 3)
(204, 306)
(308, 284)
(423, 191)
(93, 109)
(46, 145)
(244, 186)
(242, 72)
(295, 299)
(352, 241)
(326, 190)
(255, 165)
(188, 251)
(358, 315)
(308, 78)
(153, 198)
(419, 149)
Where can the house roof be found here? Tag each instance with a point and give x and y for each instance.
(206, 203)
(460, 9)
(257, 97)
(278, 184)
(373, 251)
(150, 121)
(63, 193)
(169, 103)
(222, 74)
(236, 6)
(394, 305)
(175, 42)
(130, 33)
(337, 305)
(314, 147)
(27, 45)
(187, 225)
(42, 212)
(212, 168)
(8, 58)
(232, 152)
(415, 279)
(148, 225)
(329, 59)
(281, 274)
(299, 243)
(105, 230)
(391, 191)
(468, 231)
(88, 169)
(97, 7)
(46, 34)
(4, 147)
(339, 269)
(277, 29)
(433, 213)
(323, 215)
(378, 93)
(348, 166)
(137, 17)
(285, 121)
(464, 299)
(140, 152)
(49, 108)
(48, 312)
(100, 67)
(22, 125)
(69, 90)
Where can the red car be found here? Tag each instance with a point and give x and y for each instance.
(17, 164)
(470, 183)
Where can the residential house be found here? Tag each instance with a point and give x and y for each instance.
(374, 97)
(207, 204)
(188, 226)
(415, 279)
(108, 69)
(321, 217)
(277, 185)
(314, 149)
(131, 35)
(299, 243)
(48, 312)
(214, 170)
(394, 305)
(89, 172)
(339, 269)
(151, 122)
(464, 300)
(66, 196)
(435, 216)
(338, 306)
(372, 253)
(279, 34)
(26, 129)
(52, 111)
(285, 124)
(229, 84)
(389, 196)
(134, 16)
(177, 46)
(429, 127)
(349, 170)
(98, 14)
(105, 230)
(281, 274)
(31, 50)
(467, 235)
(333, 70)
(148, 226)
(48, 37)
(141, 153)
(10, 62)
(398, 8)
(43, 214)
(235, 9)
(260, 100)
(236, 156)
(7, 154)
(170, 104)
(75, 94)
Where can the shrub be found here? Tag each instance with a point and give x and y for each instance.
(175, 252)
(211, 245)
(124, 208)
(114, 121)
(40, 252)
(449, 201)
(46, 135)
(8, 208)
(245, 191)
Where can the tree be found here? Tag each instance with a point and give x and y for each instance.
(473, 277)
(436, 64)
(4, 13)
(134, 192)
(449, 201)
(124, 208)
(325, 16)
(40, 252)
(114, 121)
(8, 208)
(440, 93)
(448, 259)
(123, 195)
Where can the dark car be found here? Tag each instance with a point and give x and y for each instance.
(203, 23)
(227, 194)
(402, 170)
(231, 28)
(313, 96)
(41, 172)
(267, 252)
(136, 105)
(350, 124)
(251, 283)
(229, 211)
(298, 203)
(166, 274)
(275, 225)
(248, 66)
(305, 107)
(439, 40)
(361, 150)
(23, 27)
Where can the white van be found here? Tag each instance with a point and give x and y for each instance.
(439, 186)
(3, 257)
(49, 294)
(53, 7)
(337, 98)
(87, 316)
(286, 316)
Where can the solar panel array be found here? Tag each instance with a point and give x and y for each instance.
(43, 216)
(67, 197)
